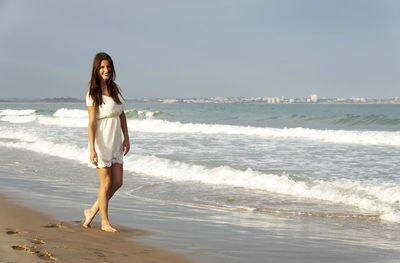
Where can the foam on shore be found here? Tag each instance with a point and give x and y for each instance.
(382, 198)
(78, 118)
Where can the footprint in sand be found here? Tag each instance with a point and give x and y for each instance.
(12, 232)
(20, 247)
(35, 250)
(59, 225)
(34, 240)
(38, 241)
(50, 225)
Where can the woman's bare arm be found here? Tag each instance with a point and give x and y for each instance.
(92, 133)
(124, 126)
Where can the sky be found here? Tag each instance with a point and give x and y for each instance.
(203, 48)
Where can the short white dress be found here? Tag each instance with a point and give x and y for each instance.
(108, 138)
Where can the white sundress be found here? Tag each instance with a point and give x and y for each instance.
(108, 138)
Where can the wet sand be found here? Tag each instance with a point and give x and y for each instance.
(30, 236)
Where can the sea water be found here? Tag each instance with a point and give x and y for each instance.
(300, 160)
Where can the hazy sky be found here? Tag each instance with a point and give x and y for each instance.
(203, 48)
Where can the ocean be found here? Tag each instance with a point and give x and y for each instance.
(267, 168)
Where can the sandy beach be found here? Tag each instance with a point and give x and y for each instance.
(30, 236)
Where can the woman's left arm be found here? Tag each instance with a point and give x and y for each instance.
(124, 126)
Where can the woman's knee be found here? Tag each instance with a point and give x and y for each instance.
(106, 185)
(117, 185)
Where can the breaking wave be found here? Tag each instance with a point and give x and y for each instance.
(382, 199)
(78, 118)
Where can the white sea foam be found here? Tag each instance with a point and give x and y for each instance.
(378, 197)
(63, 121)
(78, 118)
(18, 116)
(21, 136)
(9, 112)
(36, 144)
(62, 117)
(382, 199)
(71, 113)
(147, 114)
(331, 136)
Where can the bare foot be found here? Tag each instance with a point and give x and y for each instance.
(88, 218)
(108, 228)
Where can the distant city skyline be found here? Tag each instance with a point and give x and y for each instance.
(200, 49)
(264, 100)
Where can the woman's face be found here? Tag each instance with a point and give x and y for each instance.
(105, 70)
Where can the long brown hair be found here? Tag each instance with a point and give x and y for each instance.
(94, 84)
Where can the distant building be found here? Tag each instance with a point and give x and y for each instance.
(359, 100)
(168, 100)
(314, 98)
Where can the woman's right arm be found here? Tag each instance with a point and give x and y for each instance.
(92, 133)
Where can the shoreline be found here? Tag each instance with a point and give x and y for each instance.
(31, 236)
(202, 234)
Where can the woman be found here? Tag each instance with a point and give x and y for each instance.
(106, 119)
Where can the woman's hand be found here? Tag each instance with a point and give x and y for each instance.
(125, 146)
(93, 157)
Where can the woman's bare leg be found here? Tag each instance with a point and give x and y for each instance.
(116, 183)
(103, 196)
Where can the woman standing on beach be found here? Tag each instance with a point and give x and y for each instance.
(106, 120)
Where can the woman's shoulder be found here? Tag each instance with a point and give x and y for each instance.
(89, 100)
